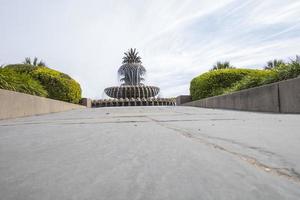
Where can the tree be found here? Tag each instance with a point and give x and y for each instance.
(27, 61)
(35, 62)
(273, 63)
(222, 65)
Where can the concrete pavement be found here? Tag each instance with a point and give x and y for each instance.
(150, 153)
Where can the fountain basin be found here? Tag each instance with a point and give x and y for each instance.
(132, 91)
(134, 102)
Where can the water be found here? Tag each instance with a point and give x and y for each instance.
(131, 74)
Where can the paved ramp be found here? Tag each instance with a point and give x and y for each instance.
(150, 153)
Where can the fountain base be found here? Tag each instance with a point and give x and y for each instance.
(133, 102)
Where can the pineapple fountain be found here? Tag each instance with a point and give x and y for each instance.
(132, 91)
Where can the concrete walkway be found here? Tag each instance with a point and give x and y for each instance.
(151, 153)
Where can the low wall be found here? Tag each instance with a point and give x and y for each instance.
(289, 96)
(15, 104)
(280, 97)
(86, 102)
(183, 99)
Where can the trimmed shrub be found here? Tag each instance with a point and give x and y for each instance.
(214, 82)
(258, 78)
(222, 81)
(21, 68)
(58, 85)
(11, 80)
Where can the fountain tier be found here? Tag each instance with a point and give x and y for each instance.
(132, 91)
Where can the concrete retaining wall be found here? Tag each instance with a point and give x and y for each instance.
(281, 97)
(15, 104)
(86, 102)
(289, 96)
(183, 99)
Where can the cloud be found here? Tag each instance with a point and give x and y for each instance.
(177, 40)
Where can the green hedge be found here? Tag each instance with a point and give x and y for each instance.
(256, 79)
(44, 81)
(11, 80)
(21, 68)
(214, 82)
(222, 81)
(287, 70)
(59, 85)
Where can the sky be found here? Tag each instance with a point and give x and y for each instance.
(177, 39)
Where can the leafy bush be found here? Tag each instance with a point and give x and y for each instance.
(215, 82)
(256, 79)
(222, 81)
(287, 71)
(21, 68)
(57, 85)
(11, 80)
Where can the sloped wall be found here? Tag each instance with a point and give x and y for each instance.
(15, 104)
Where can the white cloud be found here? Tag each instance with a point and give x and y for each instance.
(279, 12)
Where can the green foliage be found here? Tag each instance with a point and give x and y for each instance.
(288, 71)
(216, 82)
(55, 85)
(11, 80)
(21, 68)
(222, 65)
(223, 81)
(59, 85)
(258, 78)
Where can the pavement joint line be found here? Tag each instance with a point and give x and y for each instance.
(60, 122)
(289, 174)
(72, 123)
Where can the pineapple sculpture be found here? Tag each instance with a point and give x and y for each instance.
(132, 70)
